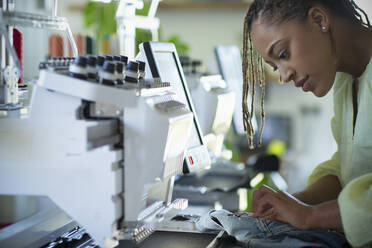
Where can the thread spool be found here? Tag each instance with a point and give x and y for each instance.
(18, 47)
(80, 41)
(55, 46)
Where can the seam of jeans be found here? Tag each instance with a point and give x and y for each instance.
(260, 225)
(267, 228)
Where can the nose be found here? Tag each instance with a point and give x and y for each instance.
(287, 73)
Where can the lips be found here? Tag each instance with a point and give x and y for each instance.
(301, 82)
(304, 83)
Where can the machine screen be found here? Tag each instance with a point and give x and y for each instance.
(169, 72)
(230, 66)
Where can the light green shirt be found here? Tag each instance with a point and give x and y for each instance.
(352, 162)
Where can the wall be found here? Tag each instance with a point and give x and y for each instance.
(203, 30)
(366, 5)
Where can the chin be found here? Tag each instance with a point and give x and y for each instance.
(320, 92)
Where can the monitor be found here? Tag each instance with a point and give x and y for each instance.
(162, 62)
(230, 67)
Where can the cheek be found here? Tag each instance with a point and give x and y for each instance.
(317, 62)
(315, 54)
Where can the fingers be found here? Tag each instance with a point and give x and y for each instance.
(280, 206)
(258, 194)
(269, 204)
(269, 214)
(269, 201)
(238, 214)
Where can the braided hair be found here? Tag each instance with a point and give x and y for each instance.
(279, 11)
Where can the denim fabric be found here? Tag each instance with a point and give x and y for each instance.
(261, 233)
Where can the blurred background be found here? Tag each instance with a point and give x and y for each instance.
(298, 120)
(197, 27)
(297, 126)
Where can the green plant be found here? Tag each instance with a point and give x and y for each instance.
(100, 17)
(181, 47)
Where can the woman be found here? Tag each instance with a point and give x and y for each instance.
(319, 44)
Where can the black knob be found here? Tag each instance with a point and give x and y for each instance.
(132, 66)
(124, 59)
(119, 67)
(108, 58)
(100, 60)
(92, 61)
(81, 61)
(109, 67)
(117, 58)
(77, 68)
(131, 72)
(141, 65)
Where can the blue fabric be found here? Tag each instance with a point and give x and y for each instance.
(261, 233)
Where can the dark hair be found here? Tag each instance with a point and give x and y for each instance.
(285, 10)
(279, 11)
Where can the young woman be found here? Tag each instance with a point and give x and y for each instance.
(319, 45)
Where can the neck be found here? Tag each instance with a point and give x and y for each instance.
(353, 45)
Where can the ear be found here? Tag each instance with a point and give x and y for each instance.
(319, 17)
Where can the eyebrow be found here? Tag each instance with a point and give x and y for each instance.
(272, 47)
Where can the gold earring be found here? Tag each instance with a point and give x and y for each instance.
(281, 80)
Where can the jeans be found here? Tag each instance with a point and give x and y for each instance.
(261, 233)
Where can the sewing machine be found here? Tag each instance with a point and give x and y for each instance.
(117, 171)
(99, 160)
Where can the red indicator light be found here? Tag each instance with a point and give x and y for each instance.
(191, 161)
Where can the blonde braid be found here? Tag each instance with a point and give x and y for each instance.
(253, 70)
(261, 73)
(246, 78)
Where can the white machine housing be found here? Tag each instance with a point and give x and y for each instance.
(162, 63)
(104, 173)
(214, 106)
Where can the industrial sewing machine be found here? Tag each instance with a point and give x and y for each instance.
(102, 156)
(116, 171)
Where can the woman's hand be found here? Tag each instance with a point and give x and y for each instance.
(281, 206)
